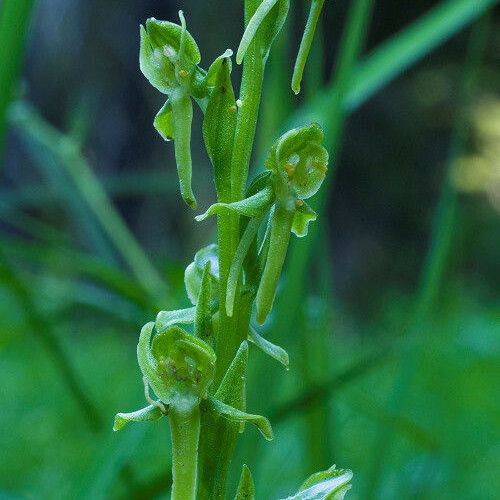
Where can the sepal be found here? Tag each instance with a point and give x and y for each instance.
(166, 49)
(254, 206)
(147, 414)
(166, 319)
(331, 484)
(246, 488)
(275, 351)
(238, 416)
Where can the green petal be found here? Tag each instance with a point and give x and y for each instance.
(262, 423)
(303, 216)
(275, 351)
(255, 206)
(166, 319)
(149, 413)
(163, 122)
(162, 33)
(300, 162)
(194, 272)
(185, 365)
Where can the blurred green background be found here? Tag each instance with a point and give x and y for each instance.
(390, 310)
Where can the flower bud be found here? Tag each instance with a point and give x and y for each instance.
(178, 366)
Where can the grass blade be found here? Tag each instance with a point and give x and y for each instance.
(91, 190)
(433, 271)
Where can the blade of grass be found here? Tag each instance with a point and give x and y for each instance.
(410, 45)
(43, 330)
(71, 263)
(434, 268)
(15, 16)
(91, 190)
(393, 57)
(76, 212)
(125, 184)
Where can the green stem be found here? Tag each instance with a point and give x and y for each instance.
(185, 433)
(250, 95)
(281, 225)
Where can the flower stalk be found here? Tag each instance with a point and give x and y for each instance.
(195, 359)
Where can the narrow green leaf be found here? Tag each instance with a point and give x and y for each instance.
(331, 484)
(255, 206)
(246, 489)
(306, 42)
(166, 319)
(15, 17)
(405, 48)
(235, 415)
(275, 351)
(147, 414)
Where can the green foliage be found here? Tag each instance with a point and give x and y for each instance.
(180, 367)
(198, 357)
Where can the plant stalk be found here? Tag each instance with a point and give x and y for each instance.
(185, 433)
